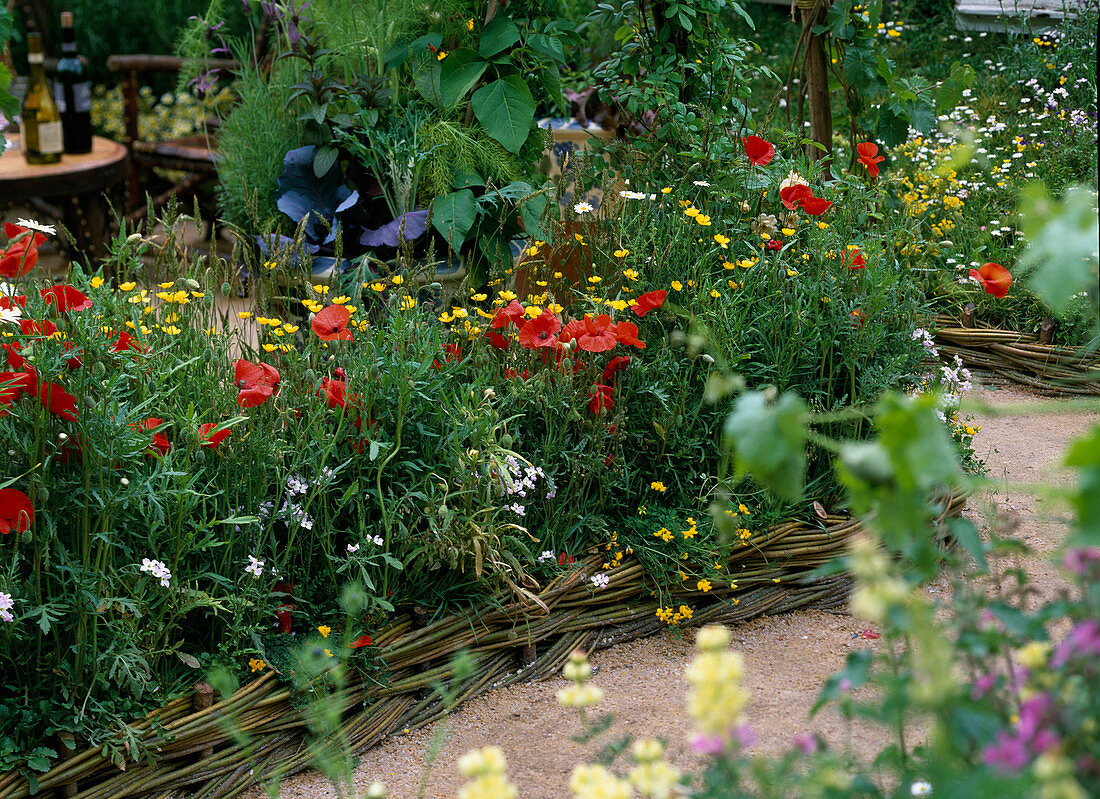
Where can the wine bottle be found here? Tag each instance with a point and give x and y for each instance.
(73, 92)
(42, 137)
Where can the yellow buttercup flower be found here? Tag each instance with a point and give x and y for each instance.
(622, 253)
(97, 281)
(677, 285)
(343, 299)
(321, 289)
(407, 303)
(658, 486)
(397, 280)
(723, 241)
(507, 296)
(128, 286)
(244, 314)
(691, 211)
(167, 285)
(479, 297)
(324, 630)
(595, 279)
(375, 286)
(703, 220)
(666, 189)
(787, 231)
(618, 305)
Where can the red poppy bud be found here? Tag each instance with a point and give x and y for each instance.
(774, 244)
(16, 511)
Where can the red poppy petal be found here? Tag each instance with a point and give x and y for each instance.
(331, 323)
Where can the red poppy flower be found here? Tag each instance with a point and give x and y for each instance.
(66, 298)
(592, 335)
(18, 384)
(19, 257)
(496, 340)
(867, 156)
(32, 327)
(627, 333)
(16, 511)
(331, 324)
(57, 401)
(774, 244)
(251, 375)
(542, 331)
(252, 397)
(602, 399)
(995, 279)
(7, 303)
(15, 360)
(360, 642)
(335, 394)
(286, 620)
(565, 559)
(858, 317)
(126, 342)
(453, 350)
(160, 442)
(616, 364)
(513, 312)
(759, 151)
(793, 196)
(209, 438)
(650, 301)
(510, 372)
(854, 259)
(816, 206)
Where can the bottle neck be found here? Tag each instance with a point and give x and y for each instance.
(68, 40)
(36, 65)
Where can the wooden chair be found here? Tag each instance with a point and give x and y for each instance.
(194, 156)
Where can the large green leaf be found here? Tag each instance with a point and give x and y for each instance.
(500, 34)
(769, 438)
(547, 45)
(453, 215)
(426, 74)
(506, 109)
(459, 73)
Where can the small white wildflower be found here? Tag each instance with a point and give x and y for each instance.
(158, 570)
(921, 787)
(546, 555)
(30, 224)
(255, 567)
(600, 580)
(378, 541)
(700, 183)
(6, 604)
(583, 208)
(353, 548)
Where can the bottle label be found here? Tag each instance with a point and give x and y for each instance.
(82, 97)
(36, 58)
(49, 138)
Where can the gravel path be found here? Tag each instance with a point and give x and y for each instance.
(787, 657)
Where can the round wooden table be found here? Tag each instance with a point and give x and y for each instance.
(82, 183)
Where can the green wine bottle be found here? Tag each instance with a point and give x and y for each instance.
(43, 140)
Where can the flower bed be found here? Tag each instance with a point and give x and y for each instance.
(196, 752)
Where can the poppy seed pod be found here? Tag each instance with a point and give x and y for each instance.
(43, 495)
(225, 289)
(28, 537)
(191, 283)
(507, 440)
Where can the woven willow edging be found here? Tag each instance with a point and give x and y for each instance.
(196, 756)
(1020, 357)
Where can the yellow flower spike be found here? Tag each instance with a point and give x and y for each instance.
(621, 253)
(96, 282)
(343, 299)
(677, 285)
(723, 241)
(470, 24)
(244, 314)
(320, 289)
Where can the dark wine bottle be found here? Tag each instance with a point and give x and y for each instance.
(73, 92)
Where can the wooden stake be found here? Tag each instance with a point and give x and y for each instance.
(66, 750)
(1046, 330)
(968, 314)
(202, 699)
(817, 86)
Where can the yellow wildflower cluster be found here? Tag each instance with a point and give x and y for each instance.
(485, 769)
(674, 617)
(617, 558)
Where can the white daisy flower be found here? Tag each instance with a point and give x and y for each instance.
(32, 225)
